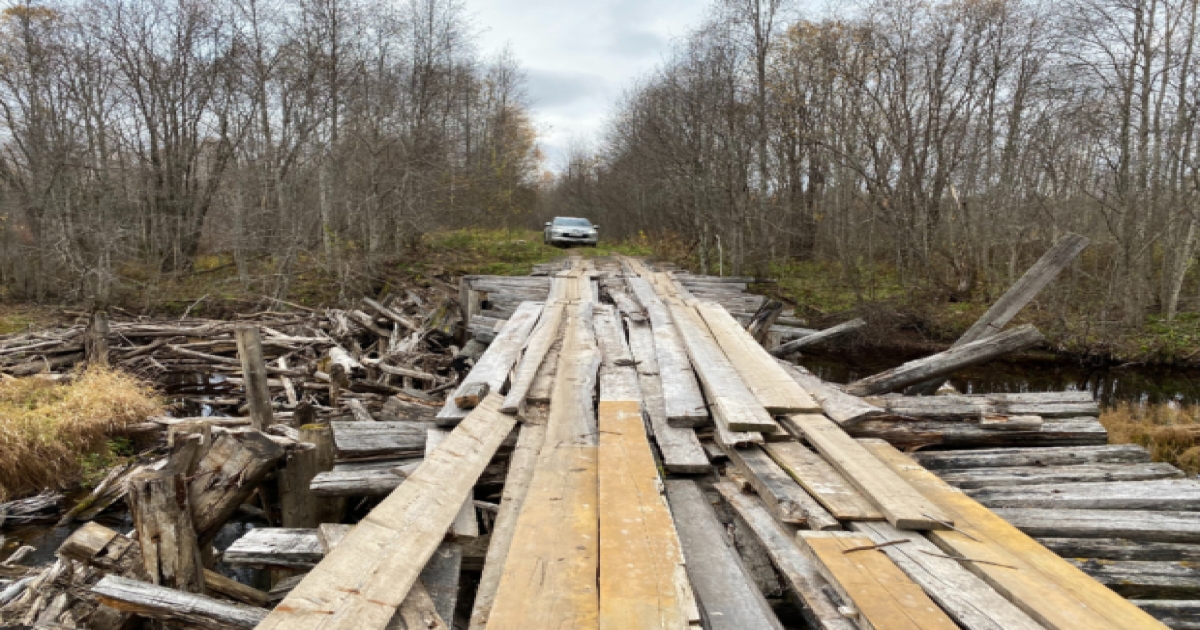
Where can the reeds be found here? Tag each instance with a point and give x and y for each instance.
(48, 429)
(1170, 432)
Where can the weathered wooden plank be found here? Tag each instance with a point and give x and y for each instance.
(1053, 456)
(801, 575)
(1038, 475)
(360, 584)
(965, 597)
(403, 438)
(1178, 527)
(883, 596)
(232, 468)
(785, 498)
(955, 406)
(825, 484)
(361, 482)
(540, 341)
(254, 371)
(728, 598)
(833, 332)
(899, 503)
(839, 406)
(1046, 587)
(1145, 580)
(168, 604)
(618, 378)
(682, 400)
(640, 558)
(1179, 614)
(1120, 549)
(158, 503)
(947, 362)
(493, 367)
(736, 411)
(440, 577)
(465, 525)
(1164, 494)
(550, 581)
(774, 388)
(680, 448)
(276, 547)
(1082, 431)
(516, 487)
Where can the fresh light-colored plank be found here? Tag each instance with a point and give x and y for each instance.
(899, 503)
(640, 557)
(362, 582)
(549, 578)
(965, 597)
(775, 390)
(1048, 588)
(885, 598)
(824, 483)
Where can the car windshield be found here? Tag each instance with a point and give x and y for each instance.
(566, 222)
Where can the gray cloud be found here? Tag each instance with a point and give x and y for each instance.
(553, 88)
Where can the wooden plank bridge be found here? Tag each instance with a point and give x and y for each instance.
(662, 468)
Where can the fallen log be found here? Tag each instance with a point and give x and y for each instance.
(167, 604)
(947, 362)
(794, 346)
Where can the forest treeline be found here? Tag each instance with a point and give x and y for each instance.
(949, 140)
(137, 134)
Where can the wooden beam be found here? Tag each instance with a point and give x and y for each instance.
(682, 400)
(1180, 495)
(947, 362)
(168, 604)
(1046, 587)
(465, 525)
(362, 582)
(493, 367)
(549, 581)
(899, 503)
(1039, 475)
(641, 564)
(728, 598)
(825, 484)
(1021, 293)
(834, 332)
(959, 434)
(158, 502)
(786, 499)
(774, 388)
(680, 448)
(799, 572)
(866, 579)
(1120, 549)
(965, 597)
(543, 337)
(1053, 456)
(1145, 580)
(254, 370)
(842, 408)
(1177, 527)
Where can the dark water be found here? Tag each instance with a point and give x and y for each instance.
(1149, 384)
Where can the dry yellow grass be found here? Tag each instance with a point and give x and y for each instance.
(1171, 433)
(48, 430)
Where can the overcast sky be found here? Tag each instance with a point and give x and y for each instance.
(580, 56)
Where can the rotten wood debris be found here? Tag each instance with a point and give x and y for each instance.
(613, 461)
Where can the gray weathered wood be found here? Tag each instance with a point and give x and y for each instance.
(402, 438)
(228, 473)
(785, 498)
(465, 525)
(1178, 614)
(1181, 527)
(299, 507)
(1046, 405)
(618, 379)
(440, 576)
(842, 408)
(959, 434)
(802, 577)
(1038, 475)
(254, 370)
(1022, 292)
(727, 597)
(682, 400)
(158, 502)
(1164, 494)
(964, 596)
(825, 484)
(947, 362)
(1121, 549)
(362, 482)
(493, 367)
(277, 547)
(680, 448)
(1145, 580)
(534, 355)
(1054, 456)
(168, 604)
(834, 332)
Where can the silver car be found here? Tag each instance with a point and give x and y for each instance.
(568, 231)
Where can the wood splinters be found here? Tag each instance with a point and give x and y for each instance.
(874, 547)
